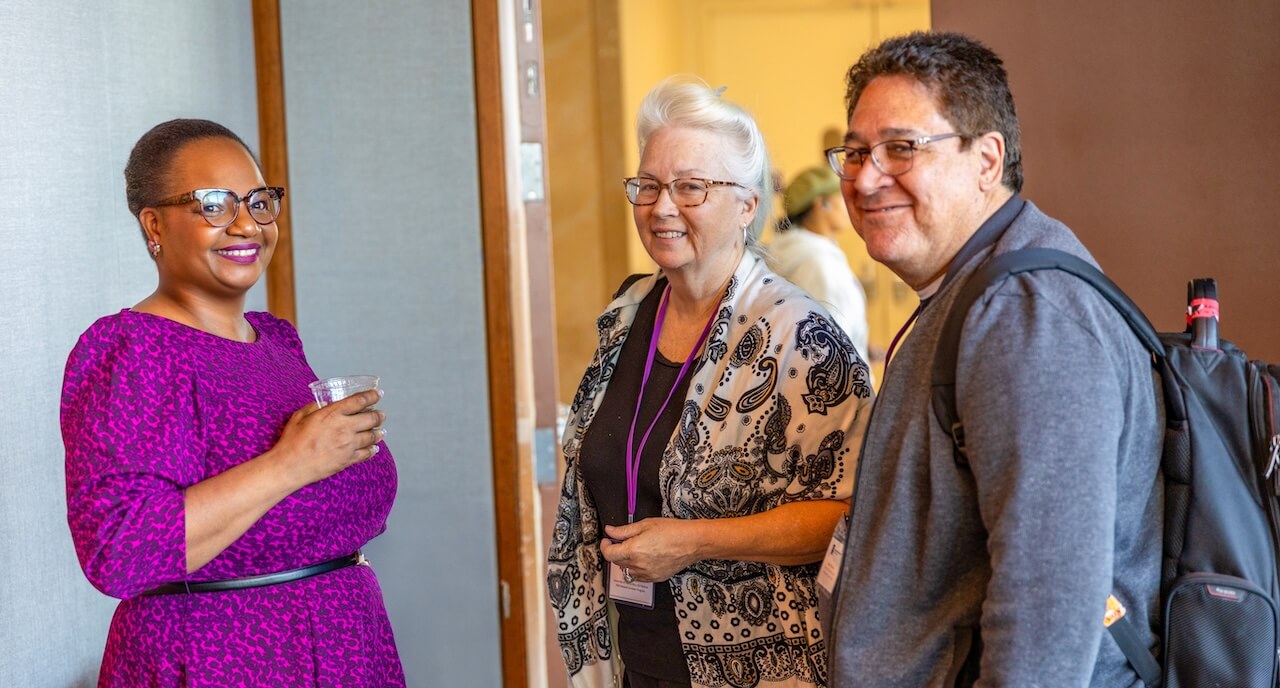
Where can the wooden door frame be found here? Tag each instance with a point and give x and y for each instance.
(495, 221)
(274, 149)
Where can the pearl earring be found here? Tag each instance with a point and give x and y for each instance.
(155, 249)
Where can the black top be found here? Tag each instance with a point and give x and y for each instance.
(649, 639)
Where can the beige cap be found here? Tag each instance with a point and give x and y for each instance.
(808, 186)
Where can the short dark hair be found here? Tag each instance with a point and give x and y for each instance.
(966, 78)
(149, 162)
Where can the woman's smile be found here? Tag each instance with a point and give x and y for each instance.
(240, 253)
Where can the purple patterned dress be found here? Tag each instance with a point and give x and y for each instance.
(151, 406)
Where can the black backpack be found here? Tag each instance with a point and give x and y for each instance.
(1219, 584)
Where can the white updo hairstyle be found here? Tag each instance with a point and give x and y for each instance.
(688, 102)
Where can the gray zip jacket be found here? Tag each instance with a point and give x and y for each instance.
(1002, 568)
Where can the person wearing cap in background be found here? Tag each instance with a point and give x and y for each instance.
(805, 252)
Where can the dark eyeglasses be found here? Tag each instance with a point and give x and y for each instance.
(685, 191)
(220, 207)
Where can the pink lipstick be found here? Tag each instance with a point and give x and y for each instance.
(240, 253)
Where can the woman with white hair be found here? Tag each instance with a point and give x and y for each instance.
(711, 444)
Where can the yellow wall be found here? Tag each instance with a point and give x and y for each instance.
(590, 217)
(784, 60)
(653, 46)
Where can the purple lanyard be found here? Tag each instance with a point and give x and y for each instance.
(633, 457)
(907, 325)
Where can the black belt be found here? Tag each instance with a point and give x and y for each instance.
(264, 580)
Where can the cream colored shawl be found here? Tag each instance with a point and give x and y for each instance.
(775, 412)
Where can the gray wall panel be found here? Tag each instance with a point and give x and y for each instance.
(385, 208)
(80, 83)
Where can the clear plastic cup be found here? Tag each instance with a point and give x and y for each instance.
(333, 389)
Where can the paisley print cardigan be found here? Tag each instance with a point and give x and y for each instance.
(775, 412)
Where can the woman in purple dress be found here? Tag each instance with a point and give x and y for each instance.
(204, 488)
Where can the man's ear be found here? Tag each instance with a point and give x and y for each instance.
(990, 148)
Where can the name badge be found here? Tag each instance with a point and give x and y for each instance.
(634, 593)
(831, 563)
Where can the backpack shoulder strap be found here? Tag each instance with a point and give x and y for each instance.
(992, 273)
(989, 275)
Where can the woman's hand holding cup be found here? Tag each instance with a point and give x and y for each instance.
(340, 429)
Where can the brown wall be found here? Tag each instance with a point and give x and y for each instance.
(1151, 128)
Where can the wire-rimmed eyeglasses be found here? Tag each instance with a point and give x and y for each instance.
(684, 191)
(892, 157)
(220, 207)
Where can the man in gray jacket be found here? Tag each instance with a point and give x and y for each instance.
(998, 572)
